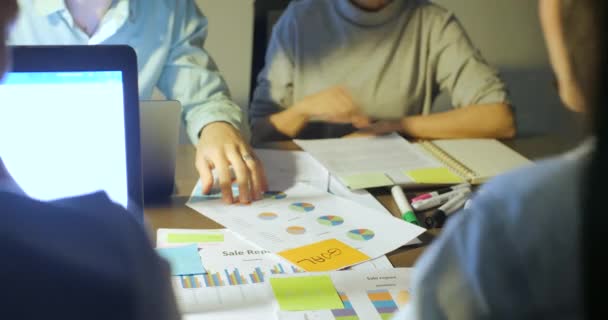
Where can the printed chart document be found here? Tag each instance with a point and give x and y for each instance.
(338, 295)
(235, 267)
(374, 295)
(361, 197)
(286, 168)
(371, 161)
(311, 228)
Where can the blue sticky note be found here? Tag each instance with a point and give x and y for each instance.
(183, 260)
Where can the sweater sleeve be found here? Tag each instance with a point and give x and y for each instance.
(460, 68)
(274, 88)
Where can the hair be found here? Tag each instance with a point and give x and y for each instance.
(585, 31)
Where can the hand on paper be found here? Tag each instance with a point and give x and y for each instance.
(221, 147)
(333, 105)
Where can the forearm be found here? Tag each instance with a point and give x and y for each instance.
(289, 122)
(282, 125)
(475, 121)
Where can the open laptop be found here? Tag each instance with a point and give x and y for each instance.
(69, 123)
(160, 124)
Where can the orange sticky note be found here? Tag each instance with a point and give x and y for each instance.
(327, 255)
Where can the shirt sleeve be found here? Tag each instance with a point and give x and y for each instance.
(191, 76)
(460, 68)
(274, 88)
(472, 271)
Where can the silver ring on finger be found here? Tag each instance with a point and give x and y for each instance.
(248, 157)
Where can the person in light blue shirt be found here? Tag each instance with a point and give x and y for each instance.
(516, 252)
(168, 37)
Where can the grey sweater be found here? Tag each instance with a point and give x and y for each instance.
(394, 61)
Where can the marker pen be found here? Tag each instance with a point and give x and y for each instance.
(407, 213)
(440, 191)
(437, 219)
(438, 200)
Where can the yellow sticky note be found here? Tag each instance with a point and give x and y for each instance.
(434, 176)
(367, 180)
(306, 293)
(327, 255)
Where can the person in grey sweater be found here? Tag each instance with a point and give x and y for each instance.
(332, 65)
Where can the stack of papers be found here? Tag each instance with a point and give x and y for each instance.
(231, 264)
(259, 269)
(370, 162)
(312, 229)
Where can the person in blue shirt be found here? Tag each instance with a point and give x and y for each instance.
(168, 37)
(516, 251)
(77, 258)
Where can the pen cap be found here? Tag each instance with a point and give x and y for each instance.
(455, 202)
(437, 220)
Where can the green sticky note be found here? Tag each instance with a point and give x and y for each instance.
(195, 237)
(434, 176)
(367, 180)
(306, 293)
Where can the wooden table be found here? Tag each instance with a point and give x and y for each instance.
(172, 213)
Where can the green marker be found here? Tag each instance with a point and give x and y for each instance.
(404, 206)
(410, 217)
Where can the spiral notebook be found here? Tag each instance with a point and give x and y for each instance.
(472, 160)
(391, 160)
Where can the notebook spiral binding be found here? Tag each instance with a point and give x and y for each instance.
(450, 162)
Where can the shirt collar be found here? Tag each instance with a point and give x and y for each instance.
(361, 17)
(49, 7)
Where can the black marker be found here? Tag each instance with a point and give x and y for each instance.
(437, 219)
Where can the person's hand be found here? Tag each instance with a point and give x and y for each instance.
(333, 105)
(360, 134)
(220, 147)
(378, 128)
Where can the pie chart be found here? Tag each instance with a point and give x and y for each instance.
(301, 207)
(330, 221)
(277, 195)
(296, 230)
(268, 215)
(361, 234)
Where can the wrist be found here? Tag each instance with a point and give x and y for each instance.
(300, 111)
(214, 125)
(406, 124)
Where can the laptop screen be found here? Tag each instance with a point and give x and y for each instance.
(62, 134)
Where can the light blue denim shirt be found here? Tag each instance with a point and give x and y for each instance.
(512, 254)
(168, 37)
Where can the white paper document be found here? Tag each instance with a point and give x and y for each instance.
(388, 156)
(361, 197)
(286, 168)
(303, 215)
(369, 295)
(236, 267)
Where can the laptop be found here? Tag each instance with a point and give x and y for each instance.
(160, 125)
(69, 123)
